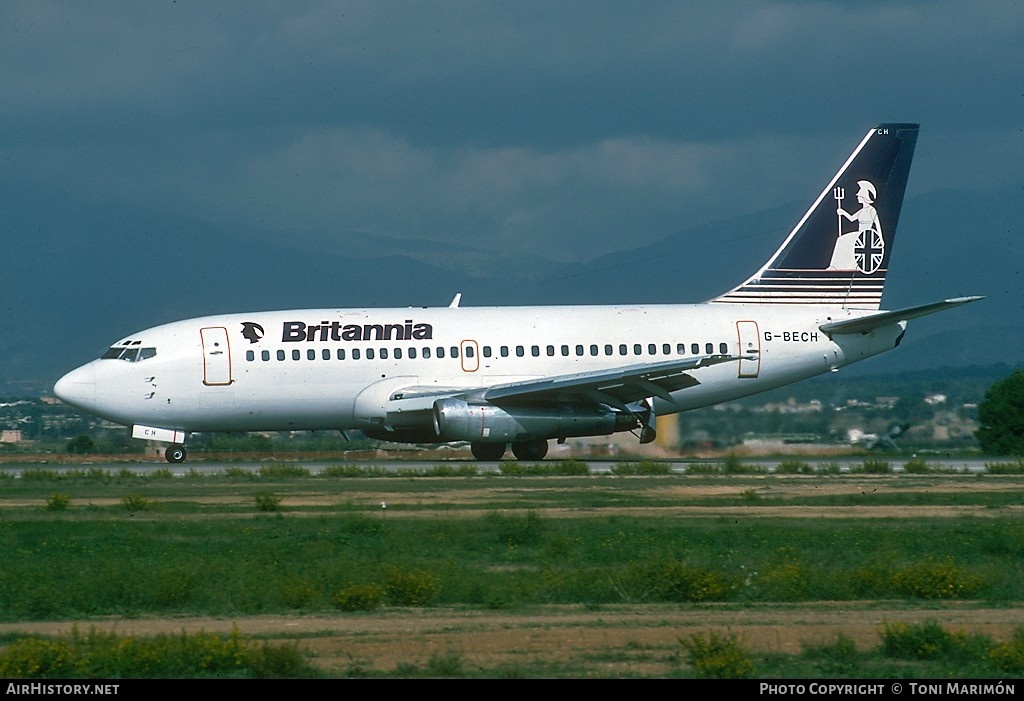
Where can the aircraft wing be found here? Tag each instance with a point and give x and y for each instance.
(866, 324)
(615, 386)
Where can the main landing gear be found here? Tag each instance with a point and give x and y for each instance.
(176, 453)
(487, 451)
(523, 450)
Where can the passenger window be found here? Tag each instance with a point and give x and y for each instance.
(695, 348)
(637, 349)
(622, 349)
(593, 349)
(565, 350)
(455, 352)
(608, 349)
(579, 351)
(468, 351)
(666, 349)
(520, 351)
(310, 354)
(265, 355)
(680, 349)
(250, 356)
(296, 354)
(723, 348)
(355, 354)
(487, 351)
(652, 349)
(369, 354)
(280, 355)
(341, 354)
(383, 353)
(412, 353)
(426, 351)
(550, 351)
(504, 351)
(535, 351)
(440, 351)
(326, 354)
(398, 354)
(709, 348)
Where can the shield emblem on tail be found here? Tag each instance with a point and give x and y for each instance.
(868, 251)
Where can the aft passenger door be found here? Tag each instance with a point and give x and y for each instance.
(216, 356)
(750, 348)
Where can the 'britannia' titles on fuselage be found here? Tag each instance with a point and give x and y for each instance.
(293, 331)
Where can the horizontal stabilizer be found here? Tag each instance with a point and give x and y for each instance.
(869, 323)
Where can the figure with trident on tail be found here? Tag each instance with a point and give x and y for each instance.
(864, 248)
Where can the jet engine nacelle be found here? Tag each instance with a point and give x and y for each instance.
(457, 420)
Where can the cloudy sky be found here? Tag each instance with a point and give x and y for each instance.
(564, 129)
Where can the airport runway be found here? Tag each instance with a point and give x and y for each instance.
(952, 465)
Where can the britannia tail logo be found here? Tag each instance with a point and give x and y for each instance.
(863, 249)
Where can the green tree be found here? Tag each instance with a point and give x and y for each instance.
(1001, 415)
(82, 445)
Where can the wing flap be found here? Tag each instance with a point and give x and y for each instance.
(614, 386)
(624, 384)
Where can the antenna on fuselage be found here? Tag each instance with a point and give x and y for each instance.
(455, 301)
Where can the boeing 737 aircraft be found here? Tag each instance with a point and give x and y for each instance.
(521, 376)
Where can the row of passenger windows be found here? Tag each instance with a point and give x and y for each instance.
(593, 350)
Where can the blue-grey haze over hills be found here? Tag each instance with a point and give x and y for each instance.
(127, 269)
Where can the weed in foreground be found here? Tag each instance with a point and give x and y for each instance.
(267, 501)
(794, 467)
(411, 587)
(717, 656)
(675, 581)
(98, 655)
(1006, 468)
(135, 502)
(838, 659)
(1009, 657)
(644, 467)
(515, 530)
(286, 471)
(935, 580)
(927, 641)
(447, 664)
(58, 502)
(358, 597)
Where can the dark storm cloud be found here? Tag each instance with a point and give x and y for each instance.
(566, 128)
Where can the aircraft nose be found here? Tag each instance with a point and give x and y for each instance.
(78, 388)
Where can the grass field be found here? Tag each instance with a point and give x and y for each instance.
(541, 573)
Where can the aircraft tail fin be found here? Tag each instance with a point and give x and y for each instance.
(838, 253)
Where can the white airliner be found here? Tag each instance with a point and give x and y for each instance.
(495, 376)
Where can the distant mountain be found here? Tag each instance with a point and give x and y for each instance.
(77, 277)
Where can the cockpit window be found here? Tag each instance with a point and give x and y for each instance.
(131, 355)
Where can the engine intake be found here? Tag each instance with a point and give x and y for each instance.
(458, 420)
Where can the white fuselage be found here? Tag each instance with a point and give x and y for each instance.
(338, 369)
